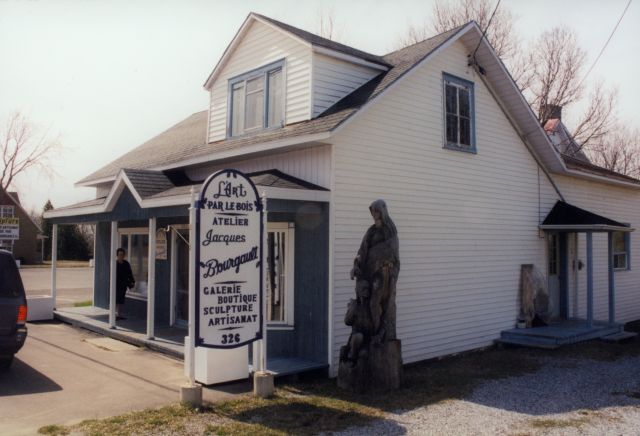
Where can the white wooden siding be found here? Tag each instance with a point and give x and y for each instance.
(103, 189)
(620, 204)
(334, 79)
(466, 222)
(263, 45)
(310, 164)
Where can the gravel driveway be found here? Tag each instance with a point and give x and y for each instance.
(566, 396)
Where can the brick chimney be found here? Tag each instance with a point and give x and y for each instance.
(552, 112)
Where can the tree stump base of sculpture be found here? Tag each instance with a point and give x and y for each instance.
(377, 369)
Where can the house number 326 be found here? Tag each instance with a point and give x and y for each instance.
(230, 339)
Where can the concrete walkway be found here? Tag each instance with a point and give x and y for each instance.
(63, 376)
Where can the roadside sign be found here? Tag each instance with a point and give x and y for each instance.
(229, 281)
(10, 228)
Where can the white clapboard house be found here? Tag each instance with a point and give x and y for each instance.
(474, 183)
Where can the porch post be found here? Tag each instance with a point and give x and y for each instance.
(113, 247)
(192, 288)
(172, 278)
(590, 279)
(54, 261)
(151, 281)
(612, 285)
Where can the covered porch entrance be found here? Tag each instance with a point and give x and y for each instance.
(562, 226)
(148, 216)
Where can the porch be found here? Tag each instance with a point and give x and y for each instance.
(560, 333)
(167, 340)
(563, 220)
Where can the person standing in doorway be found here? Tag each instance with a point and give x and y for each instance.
(124, 280)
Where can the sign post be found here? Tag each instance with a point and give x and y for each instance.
(229, 264)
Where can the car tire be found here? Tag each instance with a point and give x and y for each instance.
(5, 363)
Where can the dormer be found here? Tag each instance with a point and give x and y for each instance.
(273, 74)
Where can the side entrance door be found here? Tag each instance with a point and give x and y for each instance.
(557, 274)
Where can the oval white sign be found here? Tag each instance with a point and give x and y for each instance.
(229, 278)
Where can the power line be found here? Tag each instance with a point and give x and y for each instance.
(606, 43)
(487, 28)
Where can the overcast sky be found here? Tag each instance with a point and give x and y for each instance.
(109, 75)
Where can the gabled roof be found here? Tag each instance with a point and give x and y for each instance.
(172, 145)
(565, 216)
(13, 198)
(185, 143)
(307, 38)
(154, 189)
(317, 40)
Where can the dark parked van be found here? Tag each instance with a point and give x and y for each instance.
(13, 310)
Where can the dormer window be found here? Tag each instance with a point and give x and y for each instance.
(256, 100)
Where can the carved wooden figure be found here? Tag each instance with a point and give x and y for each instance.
(372, 359)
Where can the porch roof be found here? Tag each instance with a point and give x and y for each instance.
(567, 217)
(154, 189)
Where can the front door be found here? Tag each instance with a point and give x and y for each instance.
(553, 273)
(557, 274)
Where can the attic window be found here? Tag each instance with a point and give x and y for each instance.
(256, 100)
(459, 117)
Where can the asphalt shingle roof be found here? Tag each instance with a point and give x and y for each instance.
(148, 183)
(187, 139)
(580, 165)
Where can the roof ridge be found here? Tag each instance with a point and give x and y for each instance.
(391, 53)
(316, 39)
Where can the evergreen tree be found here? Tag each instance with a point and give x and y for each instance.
(72, 244)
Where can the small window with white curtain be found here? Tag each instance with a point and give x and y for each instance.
(256, 100)
(621, 250)
(280, 274)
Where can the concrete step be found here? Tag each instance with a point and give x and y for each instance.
(619, 337)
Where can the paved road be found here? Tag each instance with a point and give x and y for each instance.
(73, 285)
(60, 378)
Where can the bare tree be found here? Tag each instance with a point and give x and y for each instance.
(548, 71)
(555, 61)
(555, 66)
(24, 148)
(327, 25)
(617, 151)
(446, 16)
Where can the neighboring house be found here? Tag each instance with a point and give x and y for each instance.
(473, 182)
(28, 246)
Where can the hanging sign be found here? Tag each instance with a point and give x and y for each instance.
(161, 244)
(9, 228)
(229, 278)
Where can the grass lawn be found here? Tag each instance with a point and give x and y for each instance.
(317, 405)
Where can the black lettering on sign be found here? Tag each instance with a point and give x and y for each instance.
(214, 266)
(226, 189)
(227, 239)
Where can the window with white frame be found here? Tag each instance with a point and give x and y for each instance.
(459, 114)
(621, 250)
(280, 273)
(136, 242)
(256, 100)
(7, 211)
